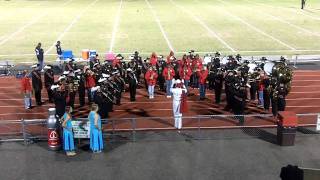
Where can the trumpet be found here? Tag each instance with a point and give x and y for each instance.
(185, 72)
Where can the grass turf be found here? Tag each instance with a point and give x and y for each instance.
(250, 27)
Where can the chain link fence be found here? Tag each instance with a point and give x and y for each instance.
(162, 128)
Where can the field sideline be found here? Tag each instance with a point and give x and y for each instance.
(249, 27)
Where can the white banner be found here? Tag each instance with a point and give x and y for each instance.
(81, 129)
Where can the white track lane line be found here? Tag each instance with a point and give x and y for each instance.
(35, 20)
(163, 109)
(159, 24)
(115, 27)
(255, 28)
(204, 25)
(160, 102)
(75, 20)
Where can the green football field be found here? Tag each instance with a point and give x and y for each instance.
(248, 27)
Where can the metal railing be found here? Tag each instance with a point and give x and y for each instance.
(131, 129)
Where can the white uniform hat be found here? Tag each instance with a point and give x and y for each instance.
(61, 78)
(95, 88)
(102, 80)
(53, 87)
(47, 67)
(105, 75)
(129, 69)
(66, 72)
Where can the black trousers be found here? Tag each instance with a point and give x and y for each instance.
(133, 91)
(37, 95)
(253, 90)
(72, 96)
(266, 100)
(50, 94)
(82, 94)
(281, 104)
(217, 92)
(274, 104)
(238, 109)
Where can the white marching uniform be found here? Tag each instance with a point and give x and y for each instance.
(176, 93)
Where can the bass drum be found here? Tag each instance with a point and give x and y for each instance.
(268, 67)
(252, 67)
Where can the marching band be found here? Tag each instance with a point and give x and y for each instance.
(105, 82)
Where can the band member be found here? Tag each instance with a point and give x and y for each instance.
(72, 88)
(68, 140)
(59, 50)
(70, 66)
(96, 139)
(153, 59)
(137, 65)
(179, 106)
(48, 81)
(161, 80)
(202, 76)
(39, 53)
(266, 93)
(239, 102)
(82, 87)
(90, 83)
(282, 93)
(100, 100)
(261, 89)
(151, 77)
(185, 74)
(196, 67)
(37, 84)
(132, 81)
(218, 83)
(116, 63)
(228, 84)
(168, 74)
(170, 58)
(120, 83)
(186, 61)
(59, 97)
(26, 90)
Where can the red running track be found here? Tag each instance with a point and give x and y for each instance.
(303, 98)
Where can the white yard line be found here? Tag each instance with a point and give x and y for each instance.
(204, 25)
(160, 26)
(33, 21)
(75, 20)
(115, 27)
(257, 29)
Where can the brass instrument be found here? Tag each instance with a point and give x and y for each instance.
(169, 74)
(185, 72)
